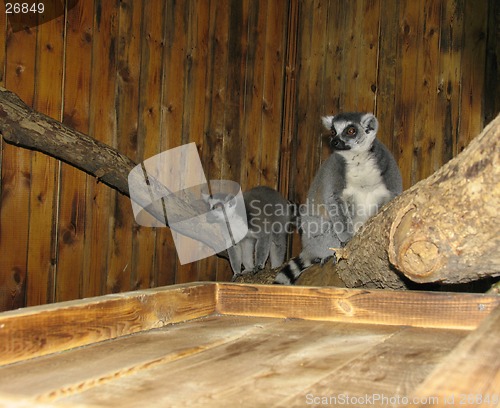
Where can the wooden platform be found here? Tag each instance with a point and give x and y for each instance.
(216, 344)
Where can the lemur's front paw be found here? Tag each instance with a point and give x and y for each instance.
(328, 258)
(257, 268)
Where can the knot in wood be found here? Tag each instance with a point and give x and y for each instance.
(345, 307)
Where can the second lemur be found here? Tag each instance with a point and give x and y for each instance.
(270, 218)
(359, 177)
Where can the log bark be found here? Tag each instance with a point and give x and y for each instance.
(444, 229)
(22, 126)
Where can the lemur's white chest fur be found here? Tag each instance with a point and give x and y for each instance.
(365, 190)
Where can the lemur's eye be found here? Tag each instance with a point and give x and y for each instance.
(218, 206)
(333, 132)
(351, 131)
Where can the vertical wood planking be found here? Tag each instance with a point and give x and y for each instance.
(273, 93)
(316, 102)
(334, 60)
(103, 128)
(473, 84)
(449, 85)
(367, 55)
(235, 103)
(409, 28)
(333, 97)
(44, 169)
(252, 70)
(218, 67)
(16, 175)
(288, 154)
(386, 75)
(195, 99)
(310, 83)
(207, 268)
(145, 268)
(3, 41)
(286, 174)
(199, 87)
(424, 139)
(350, 33)
(127, 110)
(214, 134)
(3, 38)
(492, 76)
(71, 281)
(173, 94)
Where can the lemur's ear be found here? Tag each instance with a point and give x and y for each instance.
(327, 122)
(369, 123)
(205, 197)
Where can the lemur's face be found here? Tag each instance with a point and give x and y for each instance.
(351, 131)
(220, 204)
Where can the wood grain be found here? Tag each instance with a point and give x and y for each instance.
(195, 33)
(470, 374)
(45, 171)
(102, 126)
(146, 270)
(474, 43)
(386, 74)
(426, 84)
(126, 110)
(252, 143)
(492, 74)
(388, 371)
(19, 75)
(53, 328)
(3, 36)
(450, 75)
(84, 368)
(234, 345)
(254, 366)
(70, 281)
(419, 309)
(406, 82)
(273, 94)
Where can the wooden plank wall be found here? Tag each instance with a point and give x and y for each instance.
(247, 80)
(418, 65)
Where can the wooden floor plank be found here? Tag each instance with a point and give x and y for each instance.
(262, 366)
(83, 368)
(258, 352)
(470, 374)
(386, 373)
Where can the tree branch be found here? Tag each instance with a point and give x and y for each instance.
(22, 126)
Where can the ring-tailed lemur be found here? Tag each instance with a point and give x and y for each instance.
(352, 185)
(270, 218)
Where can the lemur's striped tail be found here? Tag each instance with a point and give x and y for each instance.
(291, 271)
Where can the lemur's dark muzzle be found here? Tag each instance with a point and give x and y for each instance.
(338, 144)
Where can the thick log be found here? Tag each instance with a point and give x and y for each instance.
(24, 127)
(446, 229)
(443, 229)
